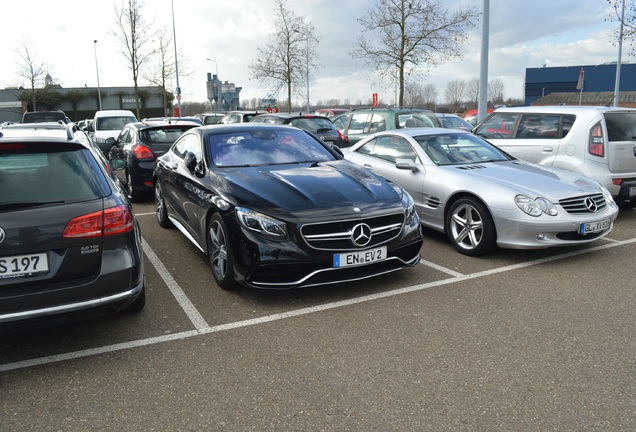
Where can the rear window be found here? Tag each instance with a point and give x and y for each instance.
(44, 117)
(38, 177)
(313, 124)
(163, 135)
(621, 126)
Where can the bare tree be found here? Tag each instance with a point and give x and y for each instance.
(32, 70)
(429, 93)
(414, 94)
(454, 92)
(289, 55)
(134, 36)
(496, 90)
(629, 22)
(472, 91)
(408, 34)
(161, 68)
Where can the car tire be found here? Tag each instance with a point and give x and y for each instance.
(160, 207)
(470, 227)
(133, 194)
(220, 253)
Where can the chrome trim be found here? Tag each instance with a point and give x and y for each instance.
(185, 232)
(312, 274)
(56, 310)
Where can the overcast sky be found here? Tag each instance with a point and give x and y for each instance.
(523, 34)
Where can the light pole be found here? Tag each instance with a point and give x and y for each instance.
(218, 88)
(99, 92)
(176, 63)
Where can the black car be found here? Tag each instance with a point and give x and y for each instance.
(314, 123)
(139, 144)
(272, 206)
(70, 246)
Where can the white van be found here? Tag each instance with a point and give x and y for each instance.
(599, 142)
(107, 124)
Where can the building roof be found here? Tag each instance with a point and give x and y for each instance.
(626, 99)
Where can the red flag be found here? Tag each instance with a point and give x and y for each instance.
(579, 85)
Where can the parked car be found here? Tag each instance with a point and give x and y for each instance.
(210, 118)
(452, 121)
(331, 112)
(45, 117)
(598, 142)
(471, 115)
(482, 197)
(173, 120)
(70, 246)
(316, 124)
(360, 123)
(139, 145)
(273, 206)
(106, 127)
(239, 116)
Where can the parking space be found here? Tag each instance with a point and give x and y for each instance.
(518, 340)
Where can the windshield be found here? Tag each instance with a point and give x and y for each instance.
(266, 147)
(459, 148)
(113, 123)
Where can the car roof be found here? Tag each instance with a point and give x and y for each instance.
(49, 133)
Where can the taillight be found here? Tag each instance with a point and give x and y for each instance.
(115, 220)
(344, 138)
(143, 152)
(596, 144)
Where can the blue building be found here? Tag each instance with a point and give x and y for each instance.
(542, 81)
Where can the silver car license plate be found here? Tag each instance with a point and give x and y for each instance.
(594, 227)
(23, 265)
(359, 257)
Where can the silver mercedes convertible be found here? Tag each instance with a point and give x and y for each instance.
(482, 197)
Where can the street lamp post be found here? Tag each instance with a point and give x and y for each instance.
(218, 89)
(99, 92)
(176, 63)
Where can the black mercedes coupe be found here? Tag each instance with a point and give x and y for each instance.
(273, 206)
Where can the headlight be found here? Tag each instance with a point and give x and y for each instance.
(261, 224)
(608, 196)
(535, 207)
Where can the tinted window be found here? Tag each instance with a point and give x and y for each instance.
(265, 147)
(499, 125)
(45, 177)
(162, 135)
(621, 126)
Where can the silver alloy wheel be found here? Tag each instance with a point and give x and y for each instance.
(218, 250)
(467, 226)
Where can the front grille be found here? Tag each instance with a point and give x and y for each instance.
(584, 204)
(337, 236)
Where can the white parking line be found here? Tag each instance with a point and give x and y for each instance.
(440, 268)
(298, 312)
(197, 319)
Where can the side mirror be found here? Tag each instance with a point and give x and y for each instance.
(406, 164)
(117, 164)
(110, 141)
(190, 161)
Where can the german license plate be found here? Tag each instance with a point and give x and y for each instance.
(594, 227)
(350, 259)
(23, 265)
(632, 191)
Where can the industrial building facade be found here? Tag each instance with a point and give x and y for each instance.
(597, 83)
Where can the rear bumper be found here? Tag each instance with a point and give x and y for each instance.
(88, 308)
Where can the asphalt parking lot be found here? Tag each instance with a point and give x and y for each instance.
(519, 340)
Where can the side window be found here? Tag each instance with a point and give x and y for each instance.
(538, 126)
(359, 123)
(127, 138)
(378, 123)
(568, 121)
(389, 148)
(499, 125)
(191, 143)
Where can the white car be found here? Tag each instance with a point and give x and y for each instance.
(482, 197)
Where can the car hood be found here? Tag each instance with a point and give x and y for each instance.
(531, 179)
(335, 186)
